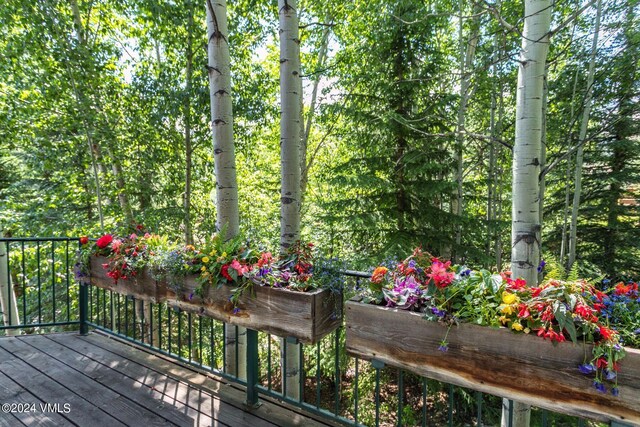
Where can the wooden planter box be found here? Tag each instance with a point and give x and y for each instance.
(307, 316)
(496, 361)
(142, 286)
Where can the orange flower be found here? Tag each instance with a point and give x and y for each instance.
(378, 274)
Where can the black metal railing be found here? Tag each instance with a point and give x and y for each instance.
(43, 297)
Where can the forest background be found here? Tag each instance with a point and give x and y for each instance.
(408, 111)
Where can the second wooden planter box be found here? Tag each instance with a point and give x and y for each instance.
(496, 361)
(307, 316)
(141, 286)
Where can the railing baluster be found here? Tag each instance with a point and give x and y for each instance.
(38, 277)
(53, 278)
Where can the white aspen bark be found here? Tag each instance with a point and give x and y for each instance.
(290, 140)
(305, 164)
(227, 210)
(573, 233)
(188, 149)
(543, 159)
(116, 167)
(567, 187)
(490, 179)
(525, 225)
(500, 181)
(8, 301)
(467, 55)
(289, 123)
(77, 21)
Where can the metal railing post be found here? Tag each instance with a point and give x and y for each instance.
(83, 302)
(252, 369)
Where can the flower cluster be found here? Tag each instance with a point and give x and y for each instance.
(555, 310)
(558, 311)
(216, 263)
(619, 304)
(126, 255)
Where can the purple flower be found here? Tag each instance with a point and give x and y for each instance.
(541, 265)
(190, 296)
(615, 391)
(412, 264)
(637, 331)
(236, 310)
(599, 386)
(587, 368)
(438, 312)
(610, 375)
(443, 348)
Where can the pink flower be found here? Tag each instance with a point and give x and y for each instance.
(115, 245)
(440, 274)
(241, 269)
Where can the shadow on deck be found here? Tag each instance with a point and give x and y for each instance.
(94, 380)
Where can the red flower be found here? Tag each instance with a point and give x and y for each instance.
(606, 333)
(517, 284)
(535, 291)
(622, 289)
(84, 240)
(225, 272)
(524, 311)
(601, 363)
(104, 241)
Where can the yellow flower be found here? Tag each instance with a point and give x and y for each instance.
(205, 259)
(527, 330)
(224, 255)
(509, 298)
(507, 309)
(504, 319)
(213, 253)
(517, 326)
(203, 268)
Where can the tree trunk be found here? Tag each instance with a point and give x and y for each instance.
(467, 54)
(290, 133)
(622, 153)
(573, 233)
(525, 252)
(306, 164)
(227, 211)
(567, 187)
(8, 301)
(543, 160)
(188, 232)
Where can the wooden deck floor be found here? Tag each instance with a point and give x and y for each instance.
(98, 381)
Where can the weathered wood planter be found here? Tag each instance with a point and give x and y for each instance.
(307, 316)
(496, 361)
(142, 286)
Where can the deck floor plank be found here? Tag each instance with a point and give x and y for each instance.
(169, 389)
(128, 412)
(271, 413)
(234, 412)
(41, 388)
(11, 392)
(110, 382)
(125, 386)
